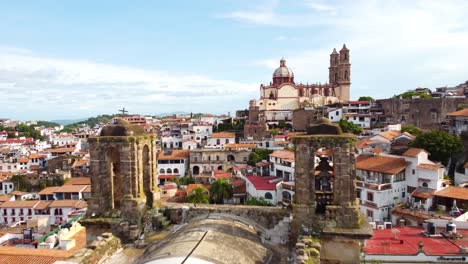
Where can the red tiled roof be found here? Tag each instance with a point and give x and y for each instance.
(463, 112)
(423, 192)
(174, 154)
(358, 102)
(430, 166)
(223, 135)
(222, 175)
(391, 134)
(453, 192)
(70, 188)
(68, 204)
(263, 164)
(382, 243)
(48, 191)
(382, 164)
(283, 154)
(78, 181)
(192, 186)
(23, 160)
(263, 183)
(36, 156)
(413, 152)
(166, 176)
(240, 146)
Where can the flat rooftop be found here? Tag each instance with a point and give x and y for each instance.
(383, 243)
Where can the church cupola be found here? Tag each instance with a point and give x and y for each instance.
(283, 74)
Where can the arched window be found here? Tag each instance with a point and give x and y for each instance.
(176, 171)
(346, 75)
(425, 184)
(169, 171)
(217, 158)
(268, 196)
(162, 171)
(336, 77)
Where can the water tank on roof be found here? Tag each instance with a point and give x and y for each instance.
(451, 227)
(430, 228)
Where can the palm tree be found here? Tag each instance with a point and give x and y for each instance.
(220, 190)
(199, 195)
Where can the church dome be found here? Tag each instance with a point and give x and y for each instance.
(283, 70)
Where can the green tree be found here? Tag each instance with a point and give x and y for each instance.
(441, 145)
(366, 98)
(258, 155)
(258, 201)
(199, 195)
(20, 183)
(11, 135)
(183, 181)
(349, 127)
(282, 124)
(253, 159)
(274, 131)
(413, 130)
(221, 190)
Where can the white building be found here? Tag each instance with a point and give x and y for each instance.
(381, 184)
(458, 122)
(188, 144)
(282, 164)
(263, 187)
(6, 187)
(218, 140)
(171, 142)
(172, 164)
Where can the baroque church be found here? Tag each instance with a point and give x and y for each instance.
(283, 95)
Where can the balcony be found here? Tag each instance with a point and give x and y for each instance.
(374, 186)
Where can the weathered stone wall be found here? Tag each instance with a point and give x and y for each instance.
(264, 216)
(423, 113)
(302, 118)
(100, 249)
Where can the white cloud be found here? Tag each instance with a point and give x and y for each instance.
(395, 45)
(42, 87)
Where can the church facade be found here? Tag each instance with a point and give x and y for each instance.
(283, 95)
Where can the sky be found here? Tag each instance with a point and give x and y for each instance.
(75, 59)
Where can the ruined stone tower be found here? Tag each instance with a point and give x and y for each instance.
(325, 192)
(123, 172)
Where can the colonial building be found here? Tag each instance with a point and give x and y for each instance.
(283, 95)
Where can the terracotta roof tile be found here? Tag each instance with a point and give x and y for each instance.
(70, 188)
(78, 181)
(391, 134)
(430, 166)
(423, 192)
(174, 154)
(453, 192)
(19, 204)
(48, 190)
(23, 160)
(283, 154)
(413, 152)
(382, 164)
(223, 135)
(463, 112)
(68, 204)
(240, 146)
(36, 156)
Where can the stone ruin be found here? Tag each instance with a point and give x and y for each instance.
(123, 178)
(325, 202)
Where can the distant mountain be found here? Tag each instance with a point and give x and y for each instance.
(171, 113)
(69, 121)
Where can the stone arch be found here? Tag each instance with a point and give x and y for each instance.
(116, 181)
(147, 183)
(231, 157)
(196, 170)
(220, 167)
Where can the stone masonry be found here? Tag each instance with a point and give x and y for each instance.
(123, 173)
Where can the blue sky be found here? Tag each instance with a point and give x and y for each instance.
(64, 59)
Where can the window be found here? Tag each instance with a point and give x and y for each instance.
(227, 141)
(176, 170)
(162, 171)
(370, 214)
(403, 195)
(370, 196)
(268, 196)
(169, 171)
(414, 171)
(425, 184)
